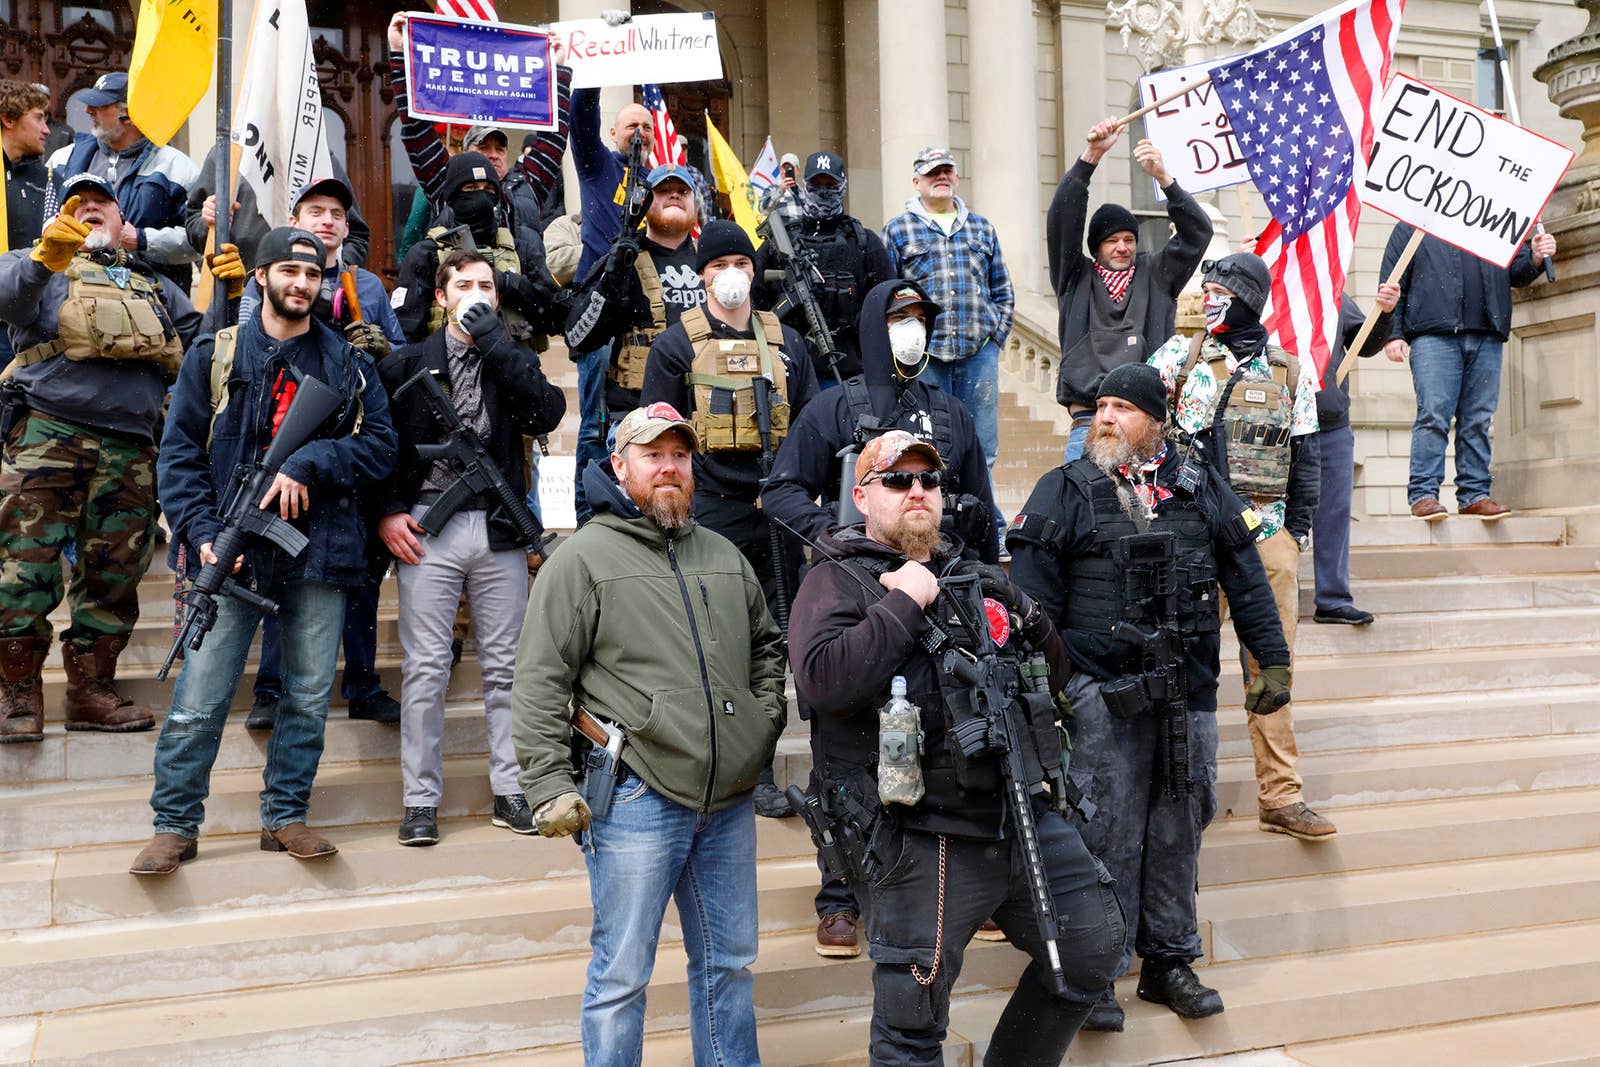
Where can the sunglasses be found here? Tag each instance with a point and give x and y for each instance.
(900, 481)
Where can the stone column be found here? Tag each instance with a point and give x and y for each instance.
(913, 89)
(863, 151)
(611, 98)
(792, 75)
(1083, 85)
(1005, 133)
(1546, 441)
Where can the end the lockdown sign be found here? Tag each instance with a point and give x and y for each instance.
(479, 73)
(1457, 172)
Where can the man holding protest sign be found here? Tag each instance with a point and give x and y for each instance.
(1117, 304)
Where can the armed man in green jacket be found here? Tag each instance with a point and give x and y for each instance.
(650, 636)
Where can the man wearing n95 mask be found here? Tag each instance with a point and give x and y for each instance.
(499, 390)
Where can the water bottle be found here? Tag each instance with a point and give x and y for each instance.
(899, 748)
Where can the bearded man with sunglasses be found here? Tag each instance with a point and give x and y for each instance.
(1126, 550)
(936, 866)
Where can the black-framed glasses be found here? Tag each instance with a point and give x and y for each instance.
(900, 481)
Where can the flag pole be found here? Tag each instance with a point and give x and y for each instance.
(223, 180)
(1163, 102)
(1395, 272)
(1511, 106)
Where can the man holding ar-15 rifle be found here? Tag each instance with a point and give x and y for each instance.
(956, 812)
(221, 446)
(454, 519)
(1127, 549)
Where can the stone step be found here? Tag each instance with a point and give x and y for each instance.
(1457, 530)
(444, 1013)
(1466, 560)
(1561, 1038)
(1424, 630)
(1386, 596)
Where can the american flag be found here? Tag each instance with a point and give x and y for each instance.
(477, 10)
(1301, 106)
(667, 147)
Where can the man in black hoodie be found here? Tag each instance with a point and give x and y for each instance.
(888, 395)
(471, 218)
(1117, 304)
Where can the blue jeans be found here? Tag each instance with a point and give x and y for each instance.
(361, 681)
(646, 849)
(1330, 528)
(1456, 377)
(1078, 437)
(975, 381)
(533, 487)
(592, 415)
(311, 616)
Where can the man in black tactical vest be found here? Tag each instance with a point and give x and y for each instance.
(1127, 548)
(974, 827)
(98, 335)
(741, 377)
(850, 258)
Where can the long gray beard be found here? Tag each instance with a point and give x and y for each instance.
(1132, 506)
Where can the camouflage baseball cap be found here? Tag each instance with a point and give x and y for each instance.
(643, 425)
(883, 451)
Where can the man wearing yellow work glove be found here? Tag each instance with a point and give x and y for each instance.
(228, 268)
(62, 237)
(1269, 692)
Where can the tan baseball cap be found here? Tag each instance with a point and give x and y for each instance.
(643, 425)
(883, 451)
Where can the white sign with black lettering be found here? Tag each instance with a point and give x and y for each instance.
(1193, 132)
(1458, 172)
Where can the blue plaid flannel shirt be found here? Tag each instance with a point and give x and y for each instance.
(963, 271)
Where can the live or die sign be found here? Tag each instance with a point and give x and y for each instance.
(1193, 132)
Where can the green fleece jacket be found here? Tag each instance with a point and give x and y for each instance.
(670, 640)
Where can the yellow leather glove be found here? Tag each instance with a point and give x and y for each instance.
(228, 268)
(62, 237)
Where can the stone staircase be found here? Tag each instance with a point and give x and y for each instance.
(1456, 743)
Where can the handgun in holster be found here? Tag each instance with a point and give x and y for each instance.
(602, 763)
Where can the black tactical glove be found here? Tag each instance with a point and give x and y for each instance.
(368, 337)
(1269, 692)
(996, 583)
(482, 322)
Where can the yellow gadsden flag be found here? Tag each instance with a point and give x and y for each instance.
(733, 180)
(174, 57)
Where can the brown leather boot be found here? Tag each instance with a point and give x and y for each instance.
(299, 841)
(163, 854)
(93, 702)
(21, 690)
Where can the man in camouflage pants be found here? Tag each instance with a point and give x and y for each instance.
(98, 335)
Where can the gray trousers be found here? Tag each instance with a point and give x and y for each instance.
(1148, 840)
(496, 584)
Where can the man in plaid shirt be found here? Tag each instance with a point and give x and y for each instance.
(954, 255)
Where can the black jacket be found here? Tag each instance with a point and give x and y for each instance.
(853, 261)
(1041, 561)
(807, 466)
(1333, 401)
(25, 186)
(1434, 289)
(520, 401)
(736, 475)
(1161, 276)
(847, 640)
(532, 293)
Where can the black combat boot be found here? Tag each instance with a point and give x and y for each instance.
(1173, 983)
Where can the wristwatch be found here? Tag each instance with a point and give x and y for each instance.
(1304, 541)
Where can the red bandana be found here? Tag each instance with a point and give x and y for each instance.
(1116, 281)
(1144, 483)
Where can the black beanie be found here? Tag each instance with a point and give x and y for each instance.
(1140, 385)
(467, 167)
(1246, 275)
(722, 238)
(1107, 220)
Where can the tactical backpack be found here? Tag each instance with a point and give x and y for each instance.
(723, 378)
(1250, 424)
(503, 257)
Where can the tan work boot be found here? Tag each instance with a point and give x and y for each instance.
(21, 690)
(299, 841)
(163, 854)
(1297, 820)
(93, 702)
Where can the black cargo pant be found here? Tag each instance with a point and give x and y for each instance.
(911, 992)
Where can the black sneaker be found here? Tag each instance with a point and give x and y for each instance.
(769, 799)
(379, 707)
(512, 812)
(1175, 985)
(262, 712)
(1349, 615)
(420, 827)
(455, 653)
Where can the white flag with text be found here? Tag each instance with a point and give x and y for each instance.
(278, 122)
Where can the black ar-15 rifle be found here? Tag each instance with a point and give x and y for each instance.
(607, 280)
(243, 517)
(477, 475)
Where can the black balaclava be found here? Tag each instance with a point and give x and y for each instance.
(474, 209)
